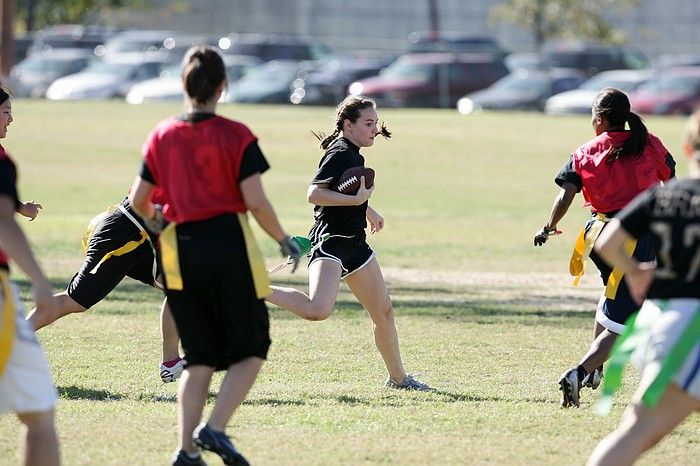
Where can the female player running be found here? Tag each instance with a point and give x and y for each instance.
(610, 170)
(671, 215)
(25, 383)
(117, 245)
(209, 169)
(346, 254)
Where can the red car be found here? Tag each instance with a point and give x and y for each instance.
(674, 91)
(430, 79)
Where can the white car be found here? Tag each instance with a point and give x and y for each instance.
(168, 86)
(580, 100)
(110, 78)
(33, 75)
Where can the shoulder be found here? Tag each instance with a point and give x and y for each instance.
(239, 128)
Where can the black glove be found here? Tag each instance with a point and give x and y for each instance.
(289, 248)
(542, 235)
(156, 223)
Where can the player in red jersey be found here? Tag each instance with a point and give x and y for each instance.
(668, 350)
(117, 245)
(25, 383)
(345, 255)
(610, 170)
(209, 168)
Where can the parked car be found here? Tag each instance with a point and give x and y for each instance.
(430, 79)
(522, 90)
(525, 61)
(268, 83)
(71, 36)
(108, 78)
(269, 47)
(454, 42)
(33, 75)
(168, 86)
(134, 41)
(580, 100)
(675, 91)
(593, 58)
(328, 84)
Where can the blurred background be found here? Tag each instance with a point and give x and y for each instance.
(548, 56)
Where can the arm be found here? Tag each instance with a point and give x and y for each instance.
(610, 247)
(261, 209)
(15, 244)
(320, 194)
(140, 198)
(376, 221)
(29, 209)
(561, 205)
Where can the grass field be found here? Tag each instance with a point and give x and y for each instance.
(484, 316)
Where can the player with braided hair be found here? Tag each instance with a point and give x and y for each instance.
(667, 328)
(340, 222)
(610, 170)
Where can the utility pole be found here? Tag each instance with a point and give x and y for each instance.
(433, 16)
(7, 53)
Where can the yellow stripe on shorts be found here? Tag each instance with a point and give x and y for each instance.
(170, 258)
(7, 325)
(255, 259)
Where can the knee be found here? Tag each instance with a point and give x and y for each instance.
(318, 312)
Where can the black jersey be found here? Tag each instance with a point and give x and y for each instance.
(671, 213)
(341, 155)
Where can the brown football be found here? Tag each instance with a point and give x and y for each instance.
(349, 181)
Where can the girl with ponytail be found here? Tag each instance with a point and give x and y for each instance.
(623, 160)
(338, 239)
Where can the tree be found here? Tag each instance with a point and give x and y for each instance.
(36, 14)
(566, 19)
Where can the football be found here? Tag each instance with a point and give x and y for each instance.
(349, 181)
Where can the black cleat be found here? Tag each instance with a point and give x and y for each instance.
(218, 442)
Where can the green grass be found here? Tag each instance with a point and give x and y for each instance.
(483, 315)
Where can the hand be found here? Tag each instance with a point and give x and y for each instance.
(30, 210)
(156, 223)
(544, 234)
(289, 248)
(376, 221)
(363, 194)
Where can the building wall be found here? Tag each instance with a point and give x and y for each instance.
(656, 26)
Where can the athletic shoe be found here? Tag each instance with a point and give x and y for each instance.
(408, 383)
(570, 384)
(181, 458)
(219, 443)
(172, 373)
(593, 379)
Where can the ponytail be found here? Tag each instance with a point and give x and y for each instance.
(614, 105)
(349, 109)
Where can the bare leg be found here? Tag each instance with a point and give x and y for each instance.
(324, 279)
(368, 285)
(40, 441)
(237, 382)
(192, 394)
(39, 318)
(168, 333)
(599, 350)
(641, 428)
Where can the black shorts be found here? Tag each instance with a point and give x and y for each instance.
(90, 286)
(218, 315)
(613, 313)
(350, 250)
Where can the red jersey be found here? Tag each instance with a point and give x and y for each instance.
(197, 165)
(610, 187)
